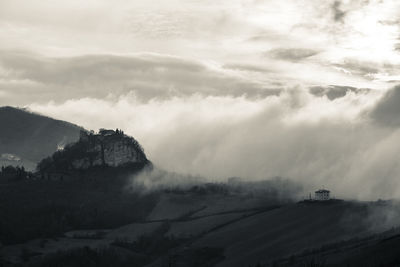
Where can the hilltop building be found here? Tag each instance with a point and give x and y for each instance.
(322, 195)
(106, 132)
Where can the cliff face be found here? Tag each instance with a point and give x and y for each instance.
(107, 148)
(110, 148)
(120, 152)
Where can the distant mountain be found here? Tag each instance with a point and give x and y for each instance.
(26, 137)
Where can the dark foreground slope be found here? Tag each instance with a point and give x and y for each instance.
(98, 198)
(201, 225)
(26, 138)
(269, 236)
(377, 250)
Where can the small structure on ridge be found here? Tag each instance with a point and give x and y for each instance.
(322, 195)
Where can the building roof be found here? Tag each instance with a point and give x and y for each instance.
(322, 191)
(106, 132)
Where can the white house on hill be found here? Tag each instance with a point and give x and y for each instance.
(322, 195)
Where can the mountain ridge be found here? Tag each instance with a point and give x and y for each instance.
(27, 137)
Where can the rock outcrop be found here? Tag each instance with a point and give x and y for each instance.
(106, 148)
(110, 148)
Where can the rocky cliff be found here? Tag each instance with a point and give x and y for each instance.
(106, 148)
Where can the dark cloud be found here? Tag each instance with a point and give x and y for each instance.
(333, 92)
(340, 9)
(362, 68)
(338, 14)
(389, 22)
(393, 81)
(292, 54)
(148, 76)
(246, 67)
(387, 110)
(268, 36)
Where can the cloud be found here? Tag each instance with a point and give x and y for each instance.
(338, 14)
(27, 77)
(333, 92)
(147, 75)
(246, 67)
(151, 179)
(309, 139)
(292, 54)
(210, 31)
(372, 70)
(359, 67)
(97, 48)
(387, 111)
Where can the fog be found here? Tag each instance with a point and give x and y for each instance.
(348, 144)
(153, 179)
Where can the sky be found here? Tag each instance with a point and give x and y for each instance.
(302, 89)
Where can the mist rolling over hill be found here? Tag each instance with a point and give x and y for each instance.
(175, 133)
(101, 198)
(115, 216)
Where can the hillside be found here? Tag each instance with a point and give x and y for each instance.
(108, 221)
(382, 249)
(26, 137)
(91, 204)
(285, 231)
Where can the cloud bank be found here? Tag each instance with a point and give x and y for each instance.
(345, 144)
